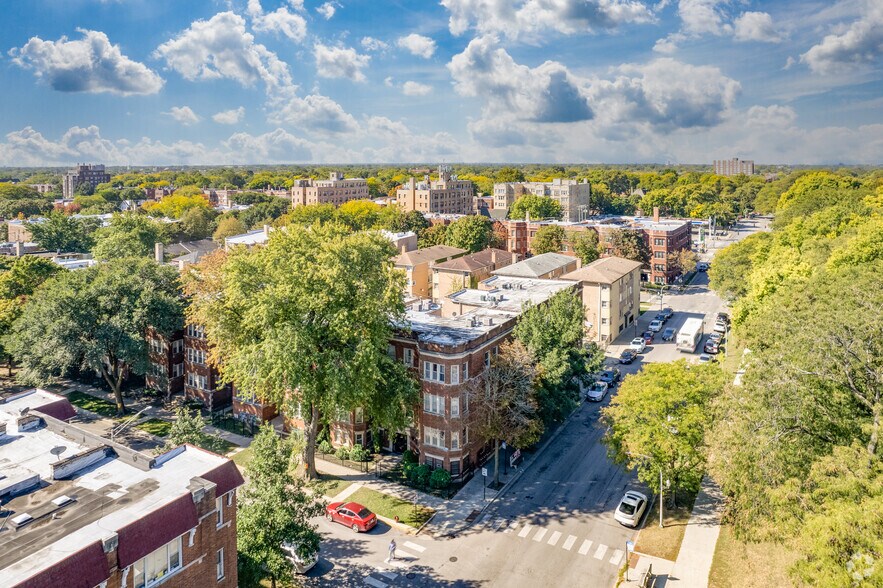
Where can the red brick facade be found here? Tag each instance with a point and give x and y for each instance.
(201, 379)
(166, 356)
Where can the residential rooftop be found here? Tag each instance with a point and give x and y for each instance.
(536, 266)
(427, 254)
(68, 492)
(475, 261)
(256, 237)
(606, 270)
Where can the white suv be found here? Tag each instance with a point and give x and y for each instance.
(638, 345)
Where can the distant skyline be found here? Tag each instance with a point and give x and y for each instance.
(212, 82)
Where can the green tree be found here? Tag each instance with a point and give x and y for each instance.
(539, 207)
(274, 512)
(509, 174)
(549, 239)
(685, 260)
(359, 214)
(96, 318)
(658, 420)
(189, 427)
(177, 204)
(129, 235)
(436, 234)
(228, 227)
(630, 244)
(502, 401)
(198, 223)
(315, 337)
(264, 213)
(585, 244)
(60, 232)
(309, 214)
(727, 275)
(473, 233)
(553, 332)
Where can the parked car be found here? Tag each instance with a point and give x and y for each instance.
(301, 565)
(637, 345)
(667, 313)
(721, 327)
(660, 316)
(702, 266)
(722, 316)
(655, 326)
(351, 514)
(610, 377)
(668, 334)
(705, 358)
(631, 508)
(648, 337)
(597, 391)
(711, 347)
(627, 356)
(716, 337)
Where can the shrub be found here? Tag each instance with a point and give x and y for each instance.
(440, 479)
(420, 475)
(342, 452)
(409, 457)
(408, 468)
(325, 447)
(359, 453)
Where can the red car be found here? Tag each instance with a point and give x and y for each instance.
(351, 514)
(648, 337)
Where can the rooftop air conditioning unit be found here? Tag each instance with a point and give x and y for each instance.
(484, 297)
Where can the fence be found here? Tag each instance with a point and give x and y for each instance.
(396, 474)
(226, 420)
(360, 466)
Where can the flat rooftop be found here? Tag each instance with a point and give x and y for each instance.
(65, 489)
(256, 237)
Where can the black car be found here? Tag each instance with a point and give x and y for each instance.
(610, 377)
(627, 356)
(722, 316)
(667, 312)
(661, 317)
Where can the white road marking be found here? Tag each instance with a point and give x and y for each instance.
(375, 582)
(617, 557)
(540, 534)
(553, 540)
(568, 543)
(599, 553)
(415, 547)
(402, 554)
(390, 575)
(399, 563)
(512, 526)
(523, 532)
(584, 549)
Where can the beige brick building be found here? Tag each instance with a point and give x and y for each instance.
(574, 197)
(447, 195)
(467, 271)
(335, 190)
(416, 265)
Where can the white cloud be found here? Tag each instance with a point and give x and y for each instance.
(314, 112)
(410, 88)
(789, 63)
(340, 62)
(547, 93)
(530, 19)
(756, 26)
(669, 43)
(280, 21)
(417, 45)
(90, 64)
(855, 45)
(700, 17)
(183, 115)
(372, 44)
(328, 9)
(229, 117)
(278, 146)
(221, 48)
(387, 81)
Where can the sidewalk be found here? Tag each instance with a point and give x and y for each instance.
(697, 549)
(640, 564)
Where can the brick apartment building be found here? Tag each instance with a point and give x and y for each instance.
(467, 271)
(446, 195)
(166, 356)
(85, 512)
(335, 190)
(734, 167)
(201, 380)
(574, 197)
(83, 174)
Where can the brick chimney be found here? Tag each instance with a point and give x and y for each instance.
(404, 248)
(494, 257)
(655, 214)
(18, 248)
(159, 252)
(267, 231)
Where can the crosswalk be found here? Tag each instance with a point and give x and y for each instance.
(385, 574)
(560, 539)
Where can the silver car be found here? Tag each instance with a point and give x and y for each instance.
(300, 564)
(631, 508)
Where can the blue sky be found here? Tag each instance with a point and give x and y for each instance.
(164, 82)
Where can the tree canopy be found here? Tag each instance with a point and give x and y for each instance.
(539, 207)
(59, 232)
(585, 245)
(129, 235)
(549, 239)
(630, 244)
(472, 232)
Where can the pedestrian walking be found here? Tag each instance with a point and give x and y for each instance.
(392, 551)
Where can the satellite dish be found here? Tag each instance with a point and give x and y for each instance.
(58, 450)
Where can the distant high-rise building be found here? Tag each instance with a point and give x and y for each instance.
(733, 167)
(335, 190)
(447, 195)
(573, 196)
(83, 174)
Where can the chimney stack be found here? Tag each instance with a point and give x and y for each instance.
(494, 257)
(159, 252)
(18, 248)
(404, 248)
(267, 231)
(655, 214)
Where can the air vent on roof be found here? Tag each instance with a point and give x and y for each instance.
(62, 500)
(22, 519)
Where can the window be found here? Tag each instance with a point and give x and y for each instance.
(464, 372)
(195, 332)
(434, 437)
(604, 320)
(455, 406)
(455, 374)
(659, 267)
(220, 564)
(603, 304)
(219, 505)
(156, 346)
(434, 372)
(659, 254)
(455, 440)
(197, 381)
(360, 439)
(408, 357)
(659, 241)
(155, 566)
(196, 356)
(433, 404)
(455, 467)
(391, 351)
(360, 416)
(177, 345)
(178, 370)
(487, 359)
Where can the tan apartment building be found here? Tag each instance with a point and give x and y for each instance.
(446, 195)
(733, 167)
(467, 271)
(574, 197)
(611, 293)
(335, 190)
(416, 265)
(546, 266)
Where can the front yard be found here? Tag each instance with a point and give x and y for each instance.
(748, 565)
(665, 542)
(94, 404)
(390, 507)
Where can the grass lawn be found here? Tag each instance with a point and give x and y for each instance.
(665, 542)
(93, 404)
(225, 447)
(242, 458)
(748, 565)
(331, 486)
(390, 507)
(155, 426)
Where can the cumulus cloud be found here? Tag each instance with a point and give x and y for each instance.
(547, 93)
(327, 10)
(229, 117)
(410, 88)
(280, 21)
(756, 26)
(340, 62)
(530, 19)
(91, 64)
(669, 43)
(701, 17)
(417, 45)
(183, 115)
(372, 44)
(314, 112)
(858, 44)
(278, 146)
(221, 48)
